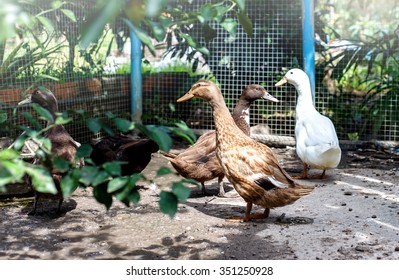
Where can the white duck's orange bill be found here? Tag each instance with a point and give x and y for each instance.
(281, 82)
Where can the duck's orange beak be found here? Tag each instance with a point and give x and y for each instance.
(282, 82)
(186, 97)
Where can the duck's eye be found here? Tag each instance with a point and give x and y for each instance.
(291, 72)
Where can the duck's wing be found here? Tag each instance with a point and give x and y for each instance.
(258, 165)
(202, 151)
(318, 131)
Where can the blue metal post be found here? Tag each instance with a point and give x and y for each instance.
(136, 82)
(308, 42)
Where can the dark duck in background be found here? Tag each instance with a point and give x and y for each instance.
(62, 144)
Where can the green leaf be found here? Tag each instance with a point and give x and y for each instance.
(207, 13)
(154, 7)
(48, 25)
(163, 171)
(129, 189)
(42, 181)
(142, 35)
(28, 116)
(246, 23)
(101, 195)
(181, 191)
(113, 168)
(134, 196)
(84, 151)
(3, 117)
(101, 177)
(209, 33)
(45, 143)
(240, 4)
(230, 25)
(172, 107)
(56, 4)
(87, 174)
(184, 132)
(16, 169)
(61, 164)
(20, 141)
(61, 120)
(10, 174)
(117, 183)
(99, 18)
(8, 154)
(158, 135)
(158, 30)
(68, 185)
(192, 43)
(108, 130)
(69, 14)
(94, 125)
(168, 203)
(124, 125)
(44, 113)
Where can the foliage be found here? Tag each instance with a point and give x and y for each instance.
(369, 68)
(161, 20)
(106, 179)
(357, 19)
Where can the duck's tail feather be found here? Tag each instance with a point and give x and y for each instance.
(167, 155)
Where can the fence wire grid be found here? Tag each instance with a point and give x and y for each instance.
(91, 88)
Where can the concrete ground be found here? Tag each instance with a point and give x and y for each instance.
(352, 214)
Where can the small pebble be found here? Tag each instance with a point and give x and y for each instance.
(348, 193)
(397, 249)
(350, 209)
(374, 216)
(360, 248)
(343, 204)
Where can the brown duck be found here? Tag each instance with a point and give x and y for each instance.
(62, 143)
(199, 162)
(250, 166)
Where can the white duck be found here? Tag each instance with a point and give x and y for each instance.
(316, 140)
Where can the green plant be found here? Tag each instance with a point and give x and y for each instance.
(368, 69)
(13, 168)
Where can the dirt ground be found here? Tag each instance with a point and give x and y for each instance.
(353, 214)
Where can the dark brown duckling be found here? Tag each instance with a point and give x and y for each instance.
(250, 166)
(135, 152)
(62, 143)
(199, 162)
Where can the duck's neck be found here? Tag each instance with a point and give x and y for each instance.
(241, 115)
(305, 101)
(224, 124)
(53, 109)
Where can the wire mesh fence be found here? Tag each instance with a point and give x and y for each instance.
(93, 82)
(85, 82)
(241, 60)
